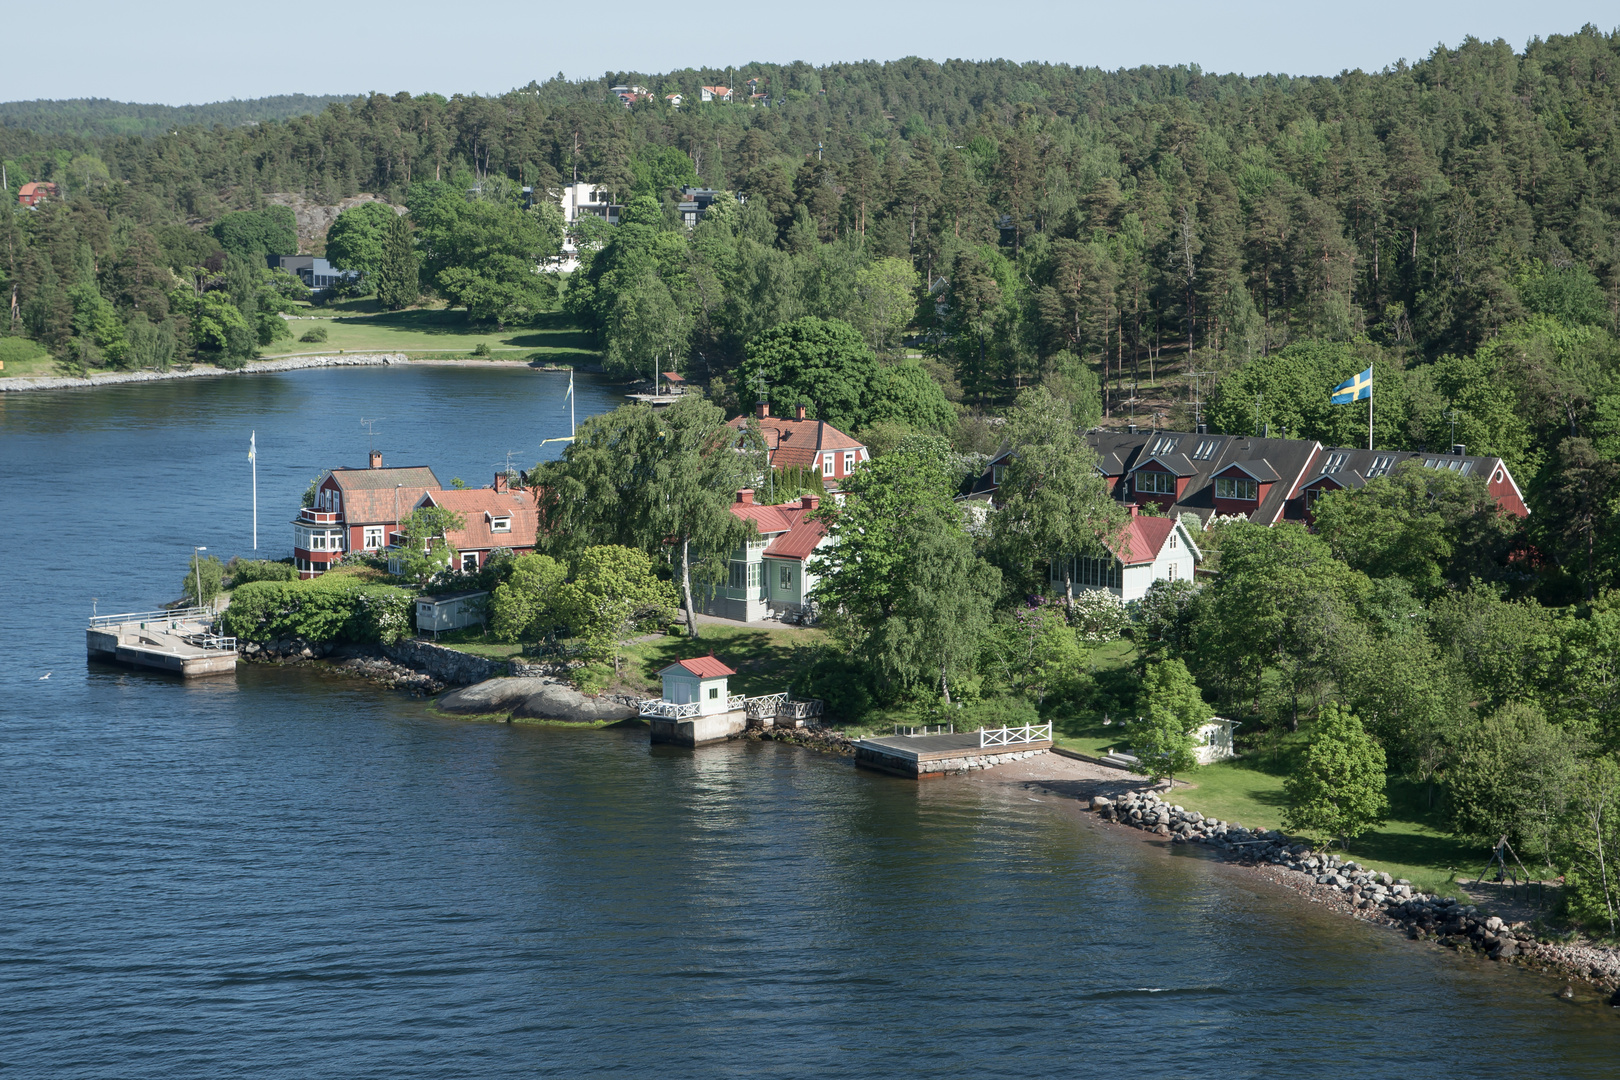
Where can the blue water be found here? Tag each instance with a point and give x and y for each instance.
(290, 873)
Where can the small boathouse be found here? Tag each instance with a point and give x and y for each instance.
(923, 756)
(698, 706)
(180, 640)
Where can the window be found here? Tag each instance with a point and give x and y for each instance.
(826, 465)
(1172, 540)
(1155, 483)
(738, 576)
(1165, 444)
(997, 472)
(1170, 572)
(1311, 495)
(1247, 490)
(374, 537)
(786, 578)
(1335, 462)
(756, 575)
(1088, 573)
(469, 560)
(1206, 449)
(501, 525)
(1381, 465)
(849, 462)
(714, 693)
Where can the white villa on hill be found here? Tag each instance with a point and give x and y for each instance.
(1146, 550)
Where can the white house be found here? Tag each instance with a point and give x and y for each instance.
(1145, 550)
(1212, 741)
(701, 680)
(450, 611)
(577, 200)
(771, 573)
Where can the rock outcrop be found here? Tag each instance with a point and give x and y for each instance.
(315, 219)
(534, 698)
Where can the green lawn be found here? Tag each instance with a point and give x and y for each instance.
(765, 659)
(1249, 790)
(553, 338)
(34, 367)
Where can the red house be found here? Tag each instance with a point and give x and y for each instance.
(499, 516)
(812, 444)
(32, 193)
(356, 510)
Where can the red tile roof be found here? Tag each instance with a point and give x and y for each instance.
(796, 537)
(368, 494)
(1140, 539)
(480, 506)
(704, 667)
(795, 442)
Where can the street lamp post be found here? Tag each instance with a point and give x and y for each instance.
(196, 566)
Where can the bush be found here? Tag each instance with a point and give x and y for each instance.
(324, 610)
(314, 335)
(1097, 617)
(482, 349)
(842, 683)
(14, 350)
(591, 678)
(246, 571)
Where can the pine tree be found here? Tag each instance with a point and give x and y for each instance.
(397, 282)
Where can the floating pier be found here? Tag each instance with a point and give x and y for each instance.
(921, 756)
(180, 641)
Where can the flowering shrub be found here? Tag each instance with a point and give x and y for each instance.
(1098, 617)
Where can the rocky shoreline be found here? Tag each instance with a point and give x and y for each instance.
(812, 738)
(362, 663)
(291, 363)
(1345, 886)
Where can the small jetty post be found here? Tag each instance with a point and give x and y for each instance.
(177, 640)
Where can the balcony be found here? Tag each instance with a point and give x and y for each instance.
(315, 516)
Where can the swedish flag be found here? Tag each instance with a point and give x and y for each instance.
(1355, 388)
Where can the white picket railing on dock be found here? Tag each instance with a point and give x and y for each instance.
(669, 710)
(1012, 736)
(170, 616)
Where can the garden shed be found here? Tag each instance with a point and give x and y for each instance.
(450, 611)
(1212, 740)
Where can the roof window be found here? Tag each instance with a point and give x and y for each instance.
(1206, 449)
(1165, 444)
(1335, 462)
(1381, 465)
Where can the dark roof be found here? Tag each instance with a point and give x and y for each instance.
(1179, 464)
(1207, 455)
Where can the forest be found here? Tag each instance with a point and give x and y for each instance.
(949, 257)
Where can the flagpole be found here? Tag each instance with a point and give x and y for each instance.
(253, 442)
(1369, 418)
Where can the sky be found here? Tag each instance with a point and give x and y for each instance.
(197, 52)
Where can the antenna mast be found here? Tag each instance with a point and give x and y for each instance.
(370, 426)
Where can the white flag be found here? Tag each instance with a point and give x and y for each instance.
(570, 392)
(253, 451)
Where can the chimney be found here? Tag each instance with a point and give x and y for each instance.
(1134, 509)
(1264, 432)
(376, 459)
(1203, 429)
(1460, 449)
(762, 410)
(500, 481)
(798, 412)
(1130, 429)
(746, 496)
(810, 502)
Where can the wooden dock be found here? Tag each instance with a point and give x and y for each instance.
(921, 756)
(179, 641)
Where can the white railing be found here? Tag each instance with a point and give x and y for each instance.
(168, 615)
(800, 710)
(735, 701)
(213, 641)
(1012, 736)
(668, 710)
(924, 729)
(766, 705)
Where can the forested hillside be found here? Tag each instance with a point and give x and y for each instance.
(1453, 223)
(99, 116)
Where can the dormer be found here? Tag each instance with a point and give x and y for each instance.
(1242, 486)
(1162, 479)
(1324, 482)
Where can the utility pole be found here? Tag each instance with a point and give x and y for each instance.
(1197, 399)
(370, 426)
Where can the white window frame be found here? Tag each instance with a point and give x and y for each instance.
(1172, 540)
(501, 524)
(849, 462)
(1239, 489)
(826, 465)
(469, 560)
(785, 577)
(1157, 487)
(373, 537)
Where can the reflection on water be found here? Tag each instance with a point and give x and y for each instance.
(293, 873)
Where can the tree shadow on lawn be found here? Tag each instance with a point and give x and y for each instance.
(443, 321)
(1418, 849)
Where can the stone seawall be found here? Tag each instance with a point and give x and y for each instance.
(1345, 885)
(448, 666)
(291, 363)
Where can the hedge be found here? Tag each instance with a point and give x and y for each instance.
(323, 610)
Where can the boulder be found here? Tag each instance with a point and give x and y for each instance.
(557, 701)
(1101, 802)
(491, 696)
(1493, 924)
